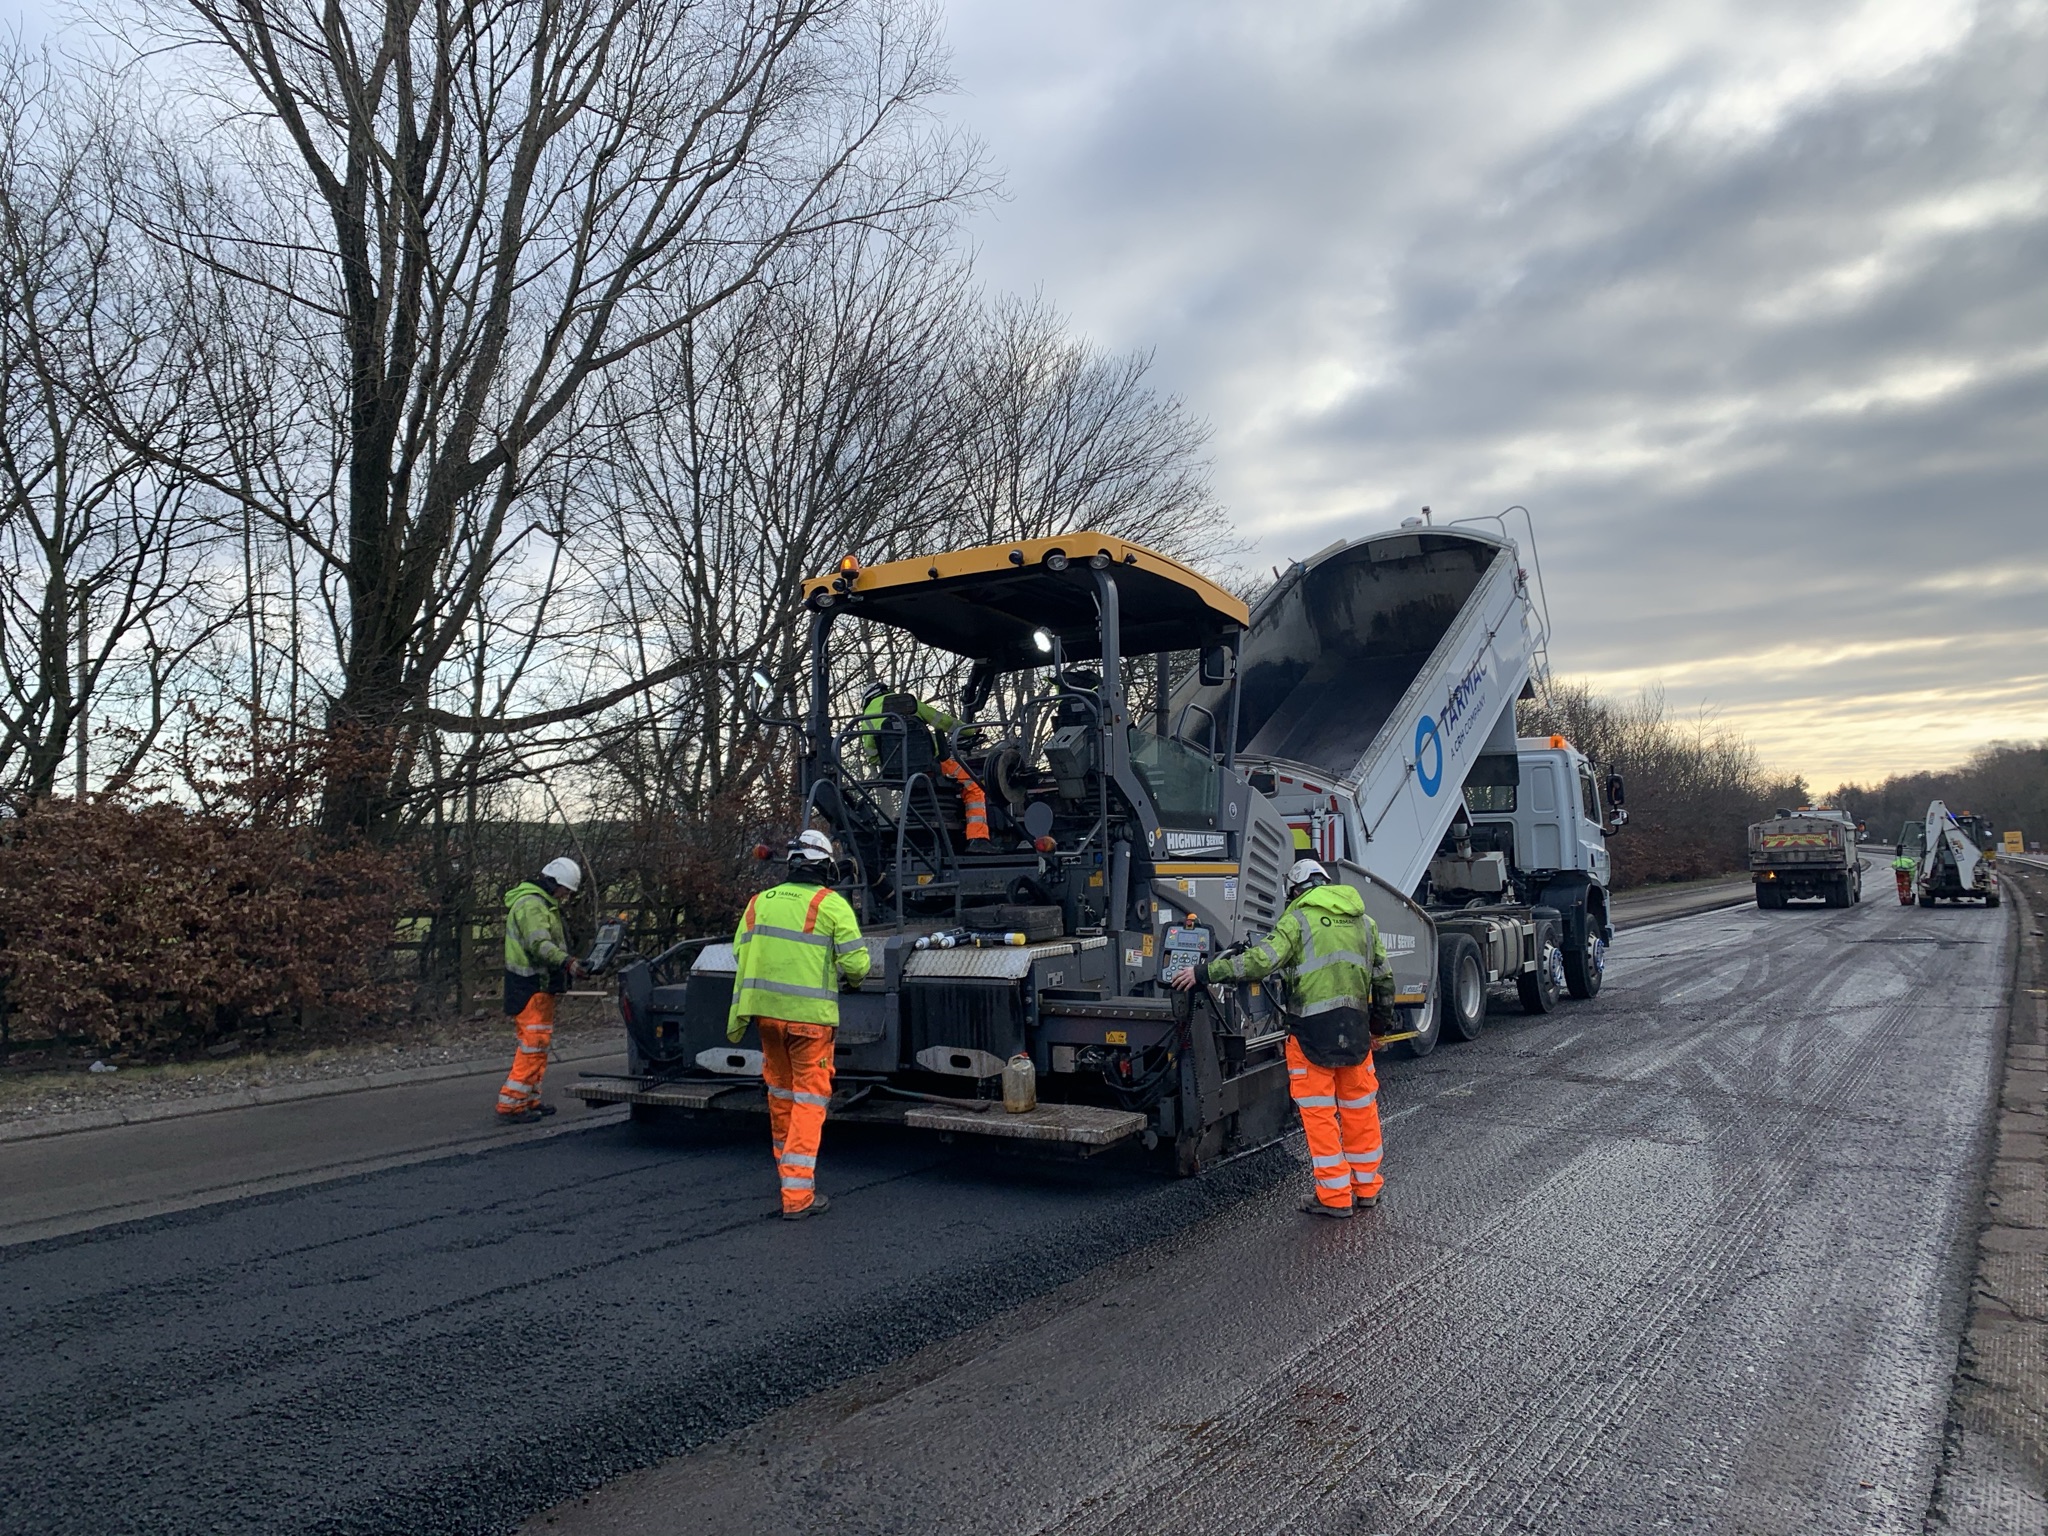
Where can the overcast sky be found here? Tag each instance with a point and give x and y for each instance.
(1747, 300)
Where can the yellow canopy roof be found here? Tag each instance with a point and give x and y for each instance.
(985, 602)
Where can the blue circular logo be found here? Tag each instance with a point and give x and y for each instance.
(1426, 740)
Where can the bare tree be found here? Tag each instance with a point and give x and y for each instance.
(1056, 435)
(461, 218)
(104, 596)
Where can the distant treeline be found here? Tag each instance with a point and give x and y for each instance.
(2006, 782)
(1693, 786)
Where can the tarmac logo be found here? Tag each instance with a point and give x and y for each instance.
(1463, 699)
(1428, 742)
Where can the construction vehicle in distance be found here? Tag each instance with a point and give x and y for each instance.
(1803, 853)
(1953, 857)
(1364, 713)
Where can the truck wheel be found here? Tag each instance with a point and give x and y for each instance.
(1838, 891)
(1991, 898)
(1539, 988)
(1461, 987)
(1926, 900)
(1585, 956)
(1432, 1028)
(1767, 898)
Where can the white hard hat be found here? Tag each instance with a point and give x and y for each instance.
(1305, 871)
(566, 873)
(812, 851)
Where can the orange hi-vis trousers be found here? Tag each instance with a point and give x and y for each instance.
(1340, 1111)
(796, 1063)
(972, 797)
(536, 1023)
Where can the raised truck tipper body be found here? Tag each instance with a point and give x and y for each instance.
(1803, 853)
(1951, 855)
(1136, 826)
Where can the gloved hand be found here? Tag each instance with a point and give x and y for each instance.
(735, 1031)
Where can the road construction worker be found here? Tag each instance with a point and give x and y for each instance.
(875, 737)
(538, 966)
(1340, 991)
(797, 945)
(1903, 870)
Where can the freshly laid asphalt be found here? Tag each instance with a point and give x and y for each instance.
(1691, 1256)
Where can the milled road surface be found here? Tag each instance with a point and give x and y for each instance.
(1690, 1257)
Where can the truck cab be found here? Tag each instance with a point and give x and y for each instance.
(1548, 831)
(1553, 820)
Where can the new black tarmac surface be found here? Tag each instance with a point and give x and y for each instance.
(1689, 1257)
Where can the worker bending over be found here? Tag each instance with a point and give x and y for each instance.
(538, 966)
(1340, 987)
(798, 944)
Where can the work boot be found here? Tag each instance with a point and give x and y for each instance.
(1315, 1207)
(528, 1116)
(818, 1206)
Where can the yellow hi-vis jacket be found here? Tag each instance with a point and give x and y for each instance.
(535, 941)
(1337, 969)
(792, 947)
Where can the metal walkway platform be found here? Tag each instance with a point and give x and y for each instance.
(1084, 1126)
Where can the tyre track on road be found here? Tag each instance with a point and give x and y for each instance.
(1257, 1467)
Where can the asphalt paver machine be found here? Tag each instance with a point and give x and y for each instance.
(1109, 700)
(1047, 938)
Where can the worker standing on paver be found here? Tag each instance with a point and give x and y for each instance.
(1340, 992)
(1903, 870)
(538, 966)
(797, 945)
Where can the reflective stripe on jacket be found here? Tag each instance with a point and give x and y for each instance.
(1331, 952)
(793, 945)
(535, 940)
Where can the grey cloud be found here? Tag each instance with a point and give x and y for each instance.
(1732, 296)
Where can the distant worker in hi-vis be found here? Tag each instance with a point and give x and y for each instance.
(1903, 870)
(1339, 987)
(538, 966)
(797, 946)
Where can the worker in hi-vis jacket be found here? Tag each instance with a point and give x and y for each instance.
(1340, 992)
(538, 966)
(797, 945)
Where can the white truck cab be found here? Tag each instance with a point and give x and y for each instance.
(1558, 821)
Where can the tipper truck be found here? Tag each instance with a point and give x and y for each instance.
(1364, 712)
(1807, 852)
(1950, 852)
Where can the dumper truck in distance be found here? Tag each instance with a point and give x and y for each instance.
(1364, 713)
(1807, 852)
